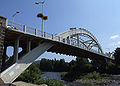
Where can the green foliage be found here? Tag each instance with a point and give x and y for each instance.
(93, 75)
(81, 65)
(117, 56)
(74, 69)
(109, 65)
(88, 84)
(63, 74)
(50, 82)
(70, 85)
(54, 65)
(71, 76)
(46, 65)
(31, 75)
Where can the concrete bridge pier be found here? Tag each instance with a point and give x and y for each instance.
(16, 46)
(32, 48)
(1, 46)
(4, 57)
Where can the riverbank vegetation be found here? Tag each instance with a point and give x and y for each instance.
(32, 75)
(79, 69)
(82, 66)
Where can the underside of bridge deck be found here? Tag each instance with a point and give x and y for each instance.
(66, 49)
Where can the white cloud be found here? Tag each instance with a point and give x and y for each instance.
(114, 37)
(118, 43)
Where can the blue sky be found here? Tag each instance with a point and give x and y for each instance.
(100, 17)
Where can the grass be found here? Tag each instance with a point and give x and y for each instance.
(50, 82)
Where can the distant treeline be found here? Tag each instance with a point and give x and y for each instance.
(82, 65)
(76, 69)
(54, 65)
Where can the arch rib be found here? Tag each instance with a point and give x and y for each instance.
(74, 32)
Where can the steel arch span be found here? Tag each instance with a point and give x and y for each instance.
(80, 38)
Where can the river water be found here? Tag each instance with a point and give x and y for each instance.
(57, 76)
(52, 75)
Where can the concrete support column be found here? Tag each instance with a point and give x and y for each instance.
(59, 39)
(28, 46)
(98, 50)
(24, 28)
(52, 36)
(68, 40)
(45, 35)
(36, 32)
(64, 40)
(78, 42)
(4, 55)
(16, 50)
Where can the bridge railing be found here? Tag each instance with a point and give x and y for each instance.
(34, 31)
(30, 30)
(14, 25)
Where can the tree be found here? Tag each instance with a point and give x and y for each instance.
(46, 65)
(31, 75)
(117, 56)
(99, 64)
(81, 65)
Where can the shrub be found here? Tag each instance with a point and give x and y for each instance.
(88, 84)
(31, 75)
(93, 75)
(50, 82)
(63, 74)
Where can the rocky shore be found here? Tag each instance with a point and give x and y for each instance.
(103, 82)
(21, 83)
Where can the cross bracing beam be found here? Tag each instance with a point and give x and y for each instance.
(81, 41)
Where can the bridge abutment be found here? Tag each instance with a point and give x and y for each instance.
(2, 35)
(3, 22)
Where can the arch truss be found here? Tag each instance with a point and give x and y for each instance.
(80, 38)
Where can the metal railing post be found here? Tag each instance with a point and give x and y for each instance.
(24, 28)
(52, 36)
(45, 34)
(35, 31)
(68, 40)
(6, 22)
(64, 40)
(59, 38)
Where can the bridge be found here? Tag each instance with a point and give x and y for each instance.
(74, 42)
